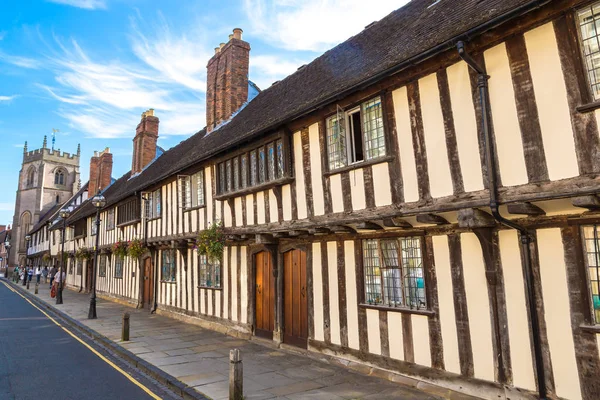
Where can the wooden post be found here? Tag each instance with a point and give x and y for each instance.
(36, 288)
(125, 330)
(236, 375)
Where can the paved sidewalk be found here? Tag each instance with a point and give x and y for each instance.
(200, 358)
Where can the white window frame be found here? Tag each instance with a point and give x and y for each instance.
(191, 190)
(153, 204)
(110, 219)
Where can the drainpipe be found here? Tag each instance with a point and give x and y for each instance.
(526, 239)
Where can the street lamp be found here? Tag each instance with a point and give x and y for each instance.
(64, 214)
(26, 274)
(99, 202)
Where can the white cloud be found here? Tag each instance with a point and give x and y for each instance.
(7, 207)
(23, 62)
(7, 98)
(266, 69)
(314, 25)
(87, 4)
(2, 35)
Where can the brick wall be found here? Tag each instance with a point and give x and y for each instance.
(100, 171)
(144, 142)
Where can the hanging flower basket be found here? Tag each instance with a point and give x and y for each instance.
(120, 249)
(47, 258)
(83, 254)
(211, 242)
(136, 248)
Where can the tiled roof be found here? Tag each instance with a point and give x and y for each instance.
(416, 29)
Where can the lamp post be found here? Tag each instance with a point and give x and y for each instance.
(99, 202)
(26, 274)
(64, 214)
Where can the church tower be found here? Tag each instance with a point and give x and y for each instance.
(47, 178)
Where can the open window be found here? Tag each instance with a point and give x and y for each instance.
(355, 135)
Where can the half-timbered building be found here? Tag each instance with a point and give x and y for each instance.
(421, 199)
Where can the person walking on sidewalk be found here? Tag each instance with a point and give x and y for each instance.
(52, 275)
(30, 273)
(58, 278)
(38, 274)
(22, 274)
(45, 274)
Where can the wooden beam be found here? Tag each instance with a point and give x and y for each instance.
(341, 229)
(369, 226)
(264, 238)
(395, 222)
(525, 209)
(298, 232)
(431, 219)
(475, 218)
(319, 231)
(591, 202)
(280, 234)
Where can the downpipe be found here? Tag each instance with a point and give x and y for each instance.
(526, 239)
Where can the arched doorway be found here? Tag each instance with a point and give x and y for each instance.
(264, 292)
(295, 298)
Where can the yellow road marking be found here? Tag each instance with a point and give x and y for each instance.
(132, 379)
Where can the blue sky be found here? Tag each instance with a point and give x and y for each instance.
(90, 67)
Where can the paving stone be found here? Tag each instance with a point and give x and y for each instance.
(298, 387)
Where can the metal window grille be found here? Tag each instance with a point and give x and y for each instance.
(393, 271)
(118, 267)
(102, 266)
(168, 265)
(373, 128)
(209, 273)
(336, 142)
(592, 249)
(589, 25)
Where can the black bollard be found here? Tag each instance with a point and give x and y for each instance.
(125, 330)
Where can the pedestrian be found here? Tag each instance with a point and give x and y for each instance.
(52, 274)
(45, 274)
(30, 273)
(58, 279)
(15, 273)
(38, 275)
(22, 274)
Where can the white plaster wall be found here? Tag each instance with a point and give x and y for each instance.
(478, 307)
(226, 288)
(557, 313)
(420, 328)
(234, 288)
(440, 179)
(260, 208)
(337, 199)
(504, 113)
(299, 173)
(381, 184)
(273, 209)
(405, 144)
(551, 99)
(334, 304)
(395, 337)
(446, 303)
(286, 198)
(465, 126)
(244, 281)
(237, 203)
(317, 291)
(373, 332)
(209, 195)
(315, 170)
(250, 210)
(227, 214)
(357, 189)
(516, 310)
(351, 295)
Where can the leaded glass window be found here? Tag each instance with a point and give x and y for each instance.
(253, 169)
(589, 25)
(209, 273)
(244, 171)
(236, 173)
(102, 265)
(373, 128)
(336, 142)
(222, 178)
(118, 267)
(262, 165)
(280, 159)
(591, 236)
(229, 177)
(168, 266)
(394, 275)
(271, 161)
(199, 180)
(79, 267)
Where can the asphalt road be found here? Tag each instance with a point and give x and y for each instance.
(40, 360)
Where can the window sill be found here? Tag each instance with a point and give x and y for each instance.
(118, 277)
(193, 208)
(135, 221)
(584, 108)
(152, 219)
(358, 165)
(402, 310)
(163, 281)
(255, 189)
(209, 288)
(590, 328)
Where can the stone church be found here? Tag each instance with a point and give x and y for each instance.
(47, 178)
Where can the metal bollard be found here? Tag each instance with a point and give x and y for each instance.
(36, 288)
(125, 331)
(28, 283)
(236, 375)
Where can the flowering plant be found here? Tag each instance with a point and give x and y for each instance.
(136, 248)
(211, 242)
(83, 254)
(47, 257)
(120, 249)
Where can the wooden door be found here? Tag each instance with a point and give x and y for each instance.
(265, 295)
(148, 283)
(295, 299)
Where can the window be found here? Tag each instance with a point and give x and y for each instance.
(79, 266)
(110, 219)
(70, 262)
(168, 266)
(102, 265)
(30, 177)
(355, 135)
(153, 204)
(589, 25)
(591, 235)
(94, 228)
(209, 273)
(266, 164)
(118, 267)
(59, 177)
(393, 271)
(192, 190)
(80, 228)
(128, 212)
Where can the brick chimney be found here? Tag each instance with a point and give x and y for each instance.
(227, 79)
(100, 171)
(144, 142)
